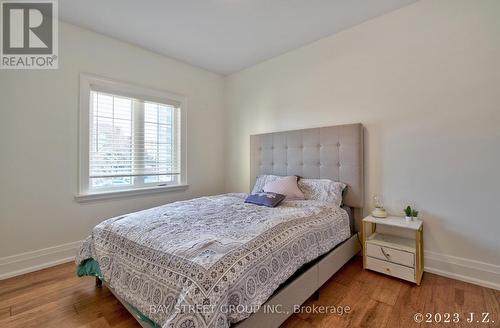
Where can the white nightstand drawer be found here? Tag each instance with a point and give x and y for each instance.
(390, 254)
(398, 252)
(389, 268)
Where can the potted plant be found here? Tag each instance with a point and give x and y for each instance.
(408, 212)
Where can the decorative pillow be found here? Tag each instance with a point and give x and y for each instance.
(322, 189)
(261, 181)
(269, 199)
(286, 186)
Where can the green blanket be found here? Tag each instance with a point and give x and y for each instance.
(90, 267)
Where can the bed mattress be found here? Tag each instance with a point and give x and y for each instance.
(210, 261)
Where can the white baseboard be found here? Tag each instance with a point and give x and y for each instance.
(475, 272)
(18, 264)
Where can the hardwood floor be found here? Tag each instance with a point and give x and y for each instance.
(55, 297)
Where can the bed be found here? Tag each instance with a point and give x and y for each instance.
(217, 261)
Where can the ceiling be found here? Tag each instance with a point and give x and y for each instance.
(223, 36)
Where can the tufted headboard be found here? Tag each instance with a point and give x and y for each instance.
(334, 152)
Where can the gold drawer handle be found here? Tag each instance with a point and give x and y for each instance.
(387, 256)
(387, 269)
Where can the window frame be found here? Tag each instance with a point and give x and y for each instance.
(88, 83)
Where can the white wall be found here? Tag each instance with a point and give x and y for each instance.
(425, 82)
(39, 141)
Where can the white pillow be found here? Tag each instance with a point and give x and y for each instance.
(322, 189)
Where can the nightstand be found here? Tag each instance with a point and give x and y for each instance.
(398, 256)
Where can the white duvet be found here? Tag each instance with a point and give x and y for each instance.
(210, 261)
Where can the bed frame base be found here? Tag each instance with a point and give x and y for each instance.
(98, 282)
(281, 305)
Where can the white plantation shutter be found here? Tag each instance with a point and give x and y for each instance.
(133, 142)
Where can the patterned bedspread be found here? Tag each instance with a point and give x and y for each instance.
(210, 261)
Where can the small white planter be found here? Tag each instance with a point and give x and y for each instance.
(408, 218)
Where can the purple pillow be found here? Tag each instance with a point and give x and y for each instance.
(269, 199)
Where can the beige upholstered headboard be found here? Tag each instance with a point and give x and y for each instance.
(334, 152)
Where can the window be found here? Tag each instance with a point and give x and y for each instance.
(131, 139)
